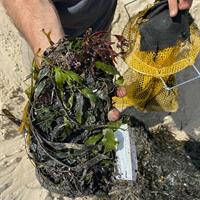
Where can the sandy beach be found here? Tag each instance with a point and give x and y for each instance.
(17, 177)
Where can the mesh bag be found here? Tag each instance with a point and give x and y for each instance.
(142, 79)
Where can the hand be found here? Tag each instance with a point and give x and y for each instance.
(176, 5)
(114, 114)
(31, 17)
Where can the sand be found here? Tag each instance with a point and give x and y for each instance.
(17, 178)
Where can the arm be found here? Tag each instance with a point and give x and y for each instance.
(175, 5)
(31, 16)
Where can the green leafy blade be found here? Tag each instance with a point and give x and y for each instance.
(119, 81)
(68, 126)
(109, 69)
(43, 72)
(93, 139)
(67, 76)
(39, 89)
(89, 94)
(108, 140)
(70, 75)
(114, 125)
(70, 101)
(59, 77)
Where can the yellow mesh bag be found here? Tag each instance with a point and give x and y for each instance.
(145, 90)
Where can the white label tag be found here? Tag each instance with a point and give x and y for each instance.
(126, 155)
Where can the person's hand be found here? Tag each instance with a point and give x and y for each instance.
(176, 5)
(114, 114)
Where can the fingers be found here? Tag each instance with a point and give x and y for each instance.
(121, 91)
(185, 4)
(113, 115)
(173, 7)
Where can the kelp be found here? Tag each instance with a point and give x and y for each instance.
(71, 141)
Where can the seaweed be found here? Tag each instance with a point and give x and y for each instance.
(72, 143)
(168, 169)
